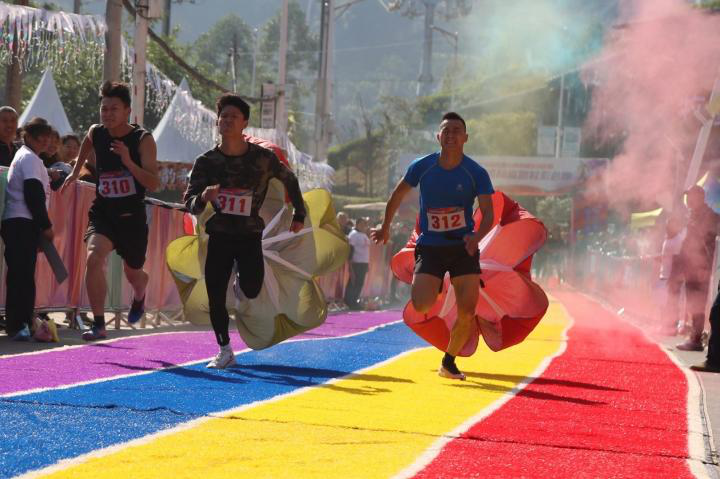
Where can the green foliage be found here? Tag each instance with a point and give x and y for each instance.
(510, 134)
(302, 53)
(554, 212)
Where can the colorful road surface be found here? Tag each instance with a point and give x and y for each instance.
(585, 396)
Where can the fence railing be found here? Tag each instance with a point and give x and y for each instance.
(68, 213)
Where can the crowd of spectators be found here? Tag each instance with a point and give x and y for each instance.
(357, 231)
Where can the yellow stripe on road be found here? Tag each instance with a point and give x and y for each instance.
(374, 424)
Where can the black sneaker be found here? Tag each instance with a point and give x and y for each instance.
(136, 311)
(706, 366)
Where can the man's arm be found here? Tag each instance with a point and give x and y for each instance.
(486, 208)
(86, 150)
(288, 178)
(383, 234)
(147, 173)
(199, 180)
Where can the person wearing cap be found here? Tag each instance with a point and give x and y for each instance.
(695, 262)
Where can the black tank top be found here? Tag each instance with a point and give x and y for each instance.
(118, 191)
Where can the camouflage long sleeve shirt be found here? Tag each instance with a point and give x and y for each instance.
(243, 184)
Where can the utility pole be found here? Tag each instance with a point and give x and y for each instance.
(281, 111)
(425, 79)
(113, 19)
(455, 39)
(77, 4)
(233, 56)
(13, 79)
(139, 62)
(323, 107)
(559, 131)
(166, 18)
(254, 60)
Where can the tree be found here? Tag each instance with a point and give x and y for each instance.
(512, 134)
(214, 51)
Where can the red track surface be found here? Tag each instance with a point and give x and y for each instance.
(612, 405)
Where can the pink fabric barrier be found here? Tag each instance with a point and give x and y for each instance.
(68, 213)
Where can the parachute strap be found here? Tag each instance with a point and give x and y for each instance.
(498, 310)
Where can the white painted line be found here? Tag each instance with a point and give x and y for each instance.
(434, 450)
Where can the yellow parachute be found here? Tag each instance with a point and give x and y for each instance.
(291, 300)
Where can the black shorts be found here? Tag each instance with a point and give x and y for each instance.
(436, 260)
(128, 233)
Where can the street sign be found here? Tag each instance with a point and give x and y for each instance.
(546, 140)
(267, 107)
(571, 142)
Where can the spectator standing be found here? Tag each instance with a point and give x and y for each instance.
(675, 233)
(25, 221)
(695, 263)
(344, 223)
(69, 148)
(359, 259)
(8, 128)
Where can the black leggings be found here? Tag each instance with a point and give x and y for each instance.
(223, 252)
(21, 239)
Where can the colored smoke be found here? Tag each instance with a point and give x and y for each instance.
(660, 55)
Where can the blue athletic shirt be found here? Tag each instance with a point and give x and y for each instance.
(447, 197)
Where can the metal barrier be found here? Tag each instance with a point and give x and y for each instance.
(68, 213)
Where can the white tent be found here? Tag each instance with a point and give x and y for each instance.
(186, 130)
(46, 103)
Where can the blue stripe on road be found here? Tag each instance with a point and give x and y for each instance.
(43, 428)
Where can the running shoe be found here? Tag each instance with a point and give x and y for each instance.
(224, 358)
(136, 310)
(94, 334)
(690, 345)
(706, 366)
(451, 374)
(22, 335)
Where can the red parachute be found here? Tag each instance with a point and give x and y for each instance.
(509, 297)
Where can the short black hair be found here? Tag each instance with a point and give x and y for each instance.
(113, 89)
(231, 99)
(36, 128)
(451, 115)
(69, 137)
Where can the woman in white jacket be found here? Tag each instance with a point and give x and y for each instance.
(24, 222)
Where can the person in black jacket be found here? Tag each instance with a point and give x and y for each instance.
(233, 177)
(25, 221)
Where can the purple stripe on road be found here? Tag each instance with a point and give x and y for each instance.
(59, 367)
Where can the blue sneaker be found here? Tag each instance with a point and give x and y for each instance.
(136, 311)
(94, 334)
(22, 335)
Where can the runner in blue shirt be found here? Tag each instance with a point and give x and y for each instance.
(449, 183)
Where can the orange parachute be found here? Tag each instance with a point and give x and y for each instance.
(508, 296)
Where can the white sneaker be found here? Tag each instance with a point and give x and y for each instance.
(442, 372)
(224, 358)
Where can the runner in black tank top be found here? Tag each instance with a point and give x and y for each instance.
(125, 160)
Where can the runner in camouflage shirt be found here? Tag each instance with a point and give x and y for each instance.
(240, 176)
(234, 178)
